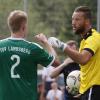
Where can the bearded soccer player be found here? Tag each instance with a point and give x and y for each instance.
(89, 54)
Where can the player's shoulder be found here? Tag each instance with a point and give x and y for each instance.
(23, 41)
(33, 45)
(36, 45)
(95, 33)
(95, 36)
(3, 40)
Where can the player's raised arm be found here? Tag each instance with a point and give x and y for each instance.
(79, 57)
(43, 39)
(59, 69)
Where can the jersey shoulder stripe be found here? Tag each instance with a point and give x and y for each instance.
(37, 45)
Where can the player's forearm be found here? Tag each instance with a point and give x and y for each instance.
(50, 49)
(43, 39)
(75, 55)
(81, 58)
(52, 52)
(57, 71)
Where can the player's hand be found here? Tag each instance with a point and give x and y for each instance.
(77, 96)
(42, 38)
(56, 43)
(68, 61)
(68, 89)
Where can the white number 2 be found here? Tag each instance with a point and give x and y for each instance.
(13, 75)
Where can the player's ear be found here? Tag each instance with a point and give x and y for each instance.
(22, 27)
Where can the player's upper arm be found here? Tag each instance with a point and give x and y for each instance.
(86, 55)
(89, 47)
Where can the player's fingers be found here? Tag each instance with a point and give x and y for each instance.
(77, 96)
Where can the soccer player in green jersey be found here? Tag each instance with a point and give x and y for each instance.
(19, 59)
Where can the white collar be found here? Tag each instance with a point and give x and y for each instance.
(13, 38)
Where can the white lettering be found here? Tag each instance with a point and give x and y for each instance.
(17, 49)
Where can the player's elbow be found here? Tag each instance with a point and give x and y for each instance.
(84, 61)
(52, 75)
(56, 63)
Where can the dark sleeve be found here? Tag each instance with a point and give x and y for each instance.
(69, 68)
(89, 50)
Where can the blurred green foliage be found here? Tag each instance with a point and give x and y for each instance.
(52, 17)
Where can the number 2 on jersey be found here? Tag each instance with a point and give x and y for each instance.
(13, 57)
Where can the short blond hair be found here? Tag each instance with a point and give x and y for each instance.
(15, 19)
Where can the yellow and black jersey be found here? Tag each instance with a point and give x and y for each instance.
(91, 71)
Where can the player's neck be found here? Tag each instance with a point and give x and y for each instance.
(86, 31)
(17, 35)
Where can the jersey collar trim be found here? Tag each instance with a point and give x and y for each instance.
(12, 38)
(89, 33)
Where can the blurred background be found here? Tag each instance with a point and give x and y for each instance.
(51, 17)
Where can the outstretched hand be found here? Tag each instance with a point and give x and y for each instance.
(77, 96)
(41, 38)
(57, 43)
(68, 61)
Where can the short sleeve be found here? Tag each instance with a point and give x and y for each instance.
(42, 56)
(92, 44)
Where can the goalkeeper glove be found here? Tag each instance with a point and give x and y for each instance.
(57, 43)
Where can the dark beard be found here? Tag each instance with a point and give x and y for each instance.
(79, 31)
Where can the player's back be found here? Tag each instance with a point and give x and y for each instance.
(17, 70)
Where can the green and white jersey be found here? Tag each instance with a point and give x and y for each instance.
(18, 68)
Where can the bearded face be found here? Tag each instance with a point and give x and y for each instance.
(78, 22)
(79, 30)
